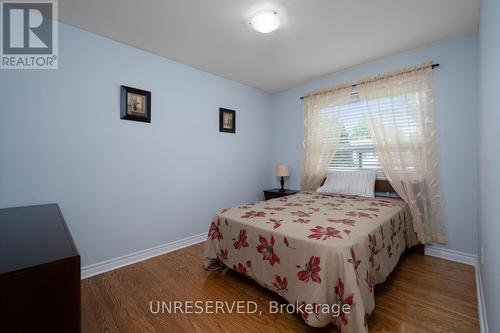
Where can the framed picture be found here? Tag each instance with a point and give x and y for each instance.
(135, 104)
(227, 120)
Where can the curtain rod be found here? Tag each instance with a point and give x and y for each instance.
(355, 84)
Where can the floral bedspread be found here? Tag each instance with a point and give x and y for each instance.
(315, 249)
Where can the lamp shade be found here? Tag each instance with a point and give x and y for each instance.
(282, 170)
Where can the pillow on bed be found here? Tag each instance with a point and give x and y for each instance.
(358, 182)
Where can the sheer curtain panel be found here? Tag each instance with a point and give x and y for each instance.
(400, 112)
(322, 130)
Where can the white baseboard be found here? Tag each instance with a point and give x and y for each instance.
(132, 258)
(452, 255)
(469, 259)
(480, 301)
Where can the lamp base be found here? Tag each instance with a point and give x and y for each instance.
(282, 182)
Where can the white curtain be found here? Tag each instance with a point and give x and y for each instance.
(401, 117)
(321, 133)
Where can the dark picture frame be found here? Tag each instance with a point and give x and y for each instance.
(135, 104)
(227, 120)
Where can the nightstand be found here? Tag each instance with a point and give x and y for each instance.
(275, 193)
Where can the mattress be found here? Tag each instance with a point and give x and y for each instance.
(320, 252)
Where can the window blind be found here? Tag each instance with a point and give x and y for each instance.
(356, 149)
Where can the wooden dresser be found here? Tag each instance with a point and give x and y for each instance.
(39, 272)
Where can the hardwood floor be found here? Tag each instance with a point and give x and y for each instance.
(423, 294)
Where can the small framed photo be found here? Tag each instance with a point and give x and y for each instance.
(135, 104)
(227, 120)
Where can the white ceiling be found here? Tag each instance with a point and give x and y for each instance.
(316, 36)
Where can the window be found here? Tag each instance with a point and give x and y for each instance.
(355, 150)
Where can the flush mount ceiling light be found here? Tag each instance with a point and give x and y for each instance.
(265, 21)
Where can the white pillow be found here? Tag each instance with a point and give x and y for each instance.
(357, 182)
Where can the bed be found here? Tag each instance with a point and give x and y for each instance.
(320, 252)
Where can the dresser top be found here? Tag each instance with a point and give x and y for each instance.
(33, 235)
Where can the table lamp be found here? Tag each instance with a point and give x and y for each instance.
(282, 171)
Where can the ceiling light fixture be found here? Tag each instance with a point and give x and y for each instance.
(265, 21)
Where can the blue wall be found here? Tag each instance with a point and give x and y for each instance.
(489, 158)
(456, 82)
(126, 186)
